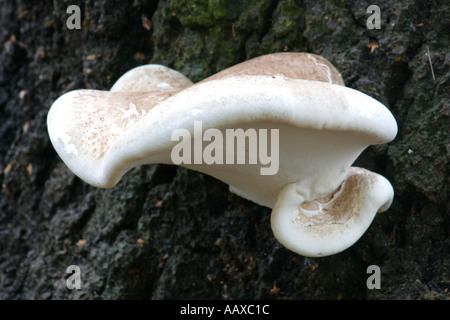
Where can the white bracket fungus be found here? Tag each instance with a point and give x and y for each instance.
(321, 205)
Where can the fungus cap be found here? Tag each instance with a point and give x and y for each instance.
(334, 222)
(323, 127)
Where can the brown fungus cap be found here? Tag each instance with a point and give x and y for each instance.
(292, 65)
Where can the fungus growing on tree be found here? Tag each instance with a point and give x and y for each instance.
(318, 127)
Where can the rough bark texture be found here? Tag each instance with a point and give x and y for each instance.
(166, 232)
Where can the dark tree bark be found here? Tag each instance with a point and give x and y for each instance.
(165, 232)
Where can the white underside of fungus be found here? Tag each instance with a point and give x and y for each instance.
(321, 205)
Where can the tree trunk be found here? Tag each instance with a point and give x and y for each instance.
(165, 232)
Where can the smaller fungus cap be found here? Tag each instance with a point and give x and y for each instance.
(334, 222)
(151, 78)
(322, 128)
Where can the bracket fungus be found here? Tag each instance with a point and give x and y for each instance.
(320, 204)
